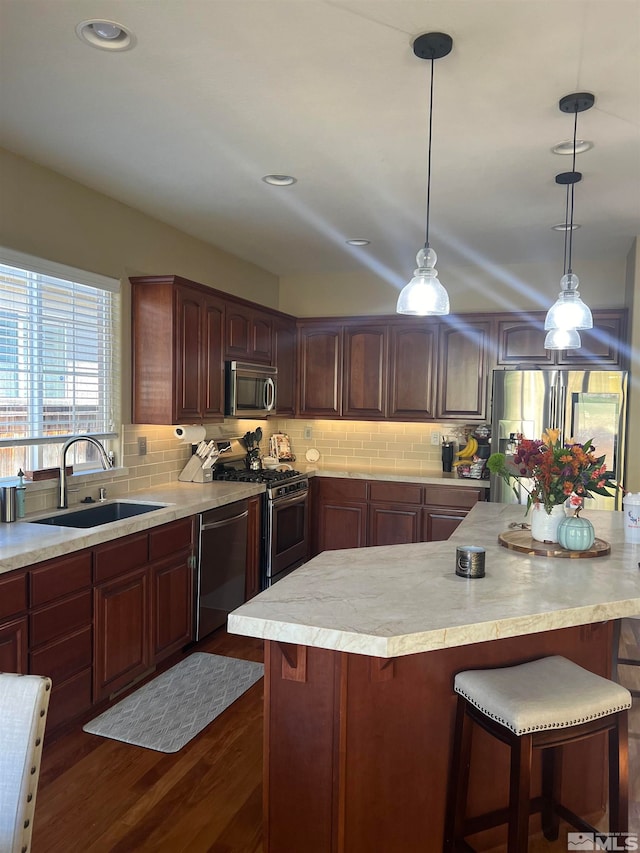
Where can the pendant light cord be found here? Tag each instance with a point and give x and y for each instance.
(573, 168)
(426, 239)
(566, 231)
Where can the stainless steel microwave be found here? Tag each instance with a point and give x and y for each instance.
(250, 389)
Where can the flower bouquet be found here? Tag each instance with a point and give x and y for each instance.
(555, 470)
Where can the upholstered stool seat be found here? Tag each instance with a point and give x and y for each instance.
(543, 704)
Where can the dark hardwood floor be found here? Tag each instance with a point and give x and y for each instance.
(102, 796)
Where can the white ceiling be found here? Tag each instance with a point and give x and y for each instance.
(218, 93)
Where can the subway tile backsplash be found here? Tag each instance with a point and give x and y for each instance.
(362, 445)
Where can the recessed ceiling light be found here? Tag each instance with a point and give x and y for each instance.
(279, 180)
(106, 35)
(566, 147)
(358, 242)
(563, 226)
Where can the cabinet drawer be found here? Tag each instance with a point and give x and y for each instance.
(13, 594)
(336, 489)
(121, 556)
(61, 577)
(403, 493)
(60, 618)
(63, 658)
(452, 496)
(170, 538)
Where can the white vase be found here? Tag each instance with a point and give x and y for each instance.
(544, 525)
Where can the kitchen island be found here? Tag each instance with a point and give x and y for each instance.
(362, 646)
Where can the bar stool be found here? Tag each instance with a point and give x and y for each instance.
(544, 705)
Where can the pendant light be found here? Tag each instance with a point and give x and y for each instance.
(569, 313)
(425, 295)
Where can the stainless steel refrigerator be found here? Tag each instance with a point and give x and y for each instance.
(582, 404)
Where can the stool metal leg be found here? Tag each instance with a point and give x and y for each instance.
(551, 787)
(458, 779)
(619, 775)
(521, 753)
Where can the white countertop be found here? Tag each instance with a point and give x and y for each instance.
(22, 543)
(402, 599)
(396, 475)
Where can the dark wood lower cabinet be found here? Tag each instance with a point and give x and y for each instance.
(438, 523)
(393, 525)
(13, 645)
(357, 749)
(172, 590)
(122, 635)
(356, 513)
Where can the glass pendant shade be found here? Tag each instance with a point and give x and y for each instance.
(569, 311)
(424, 295)
(562, 339)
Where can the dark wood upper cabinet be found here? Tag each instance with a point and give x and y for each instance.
(603, 345)
(177, 352)
(284, 358)
(248, 334)
(412, 371)
(520, 342)
(319, 370)
(365, 372)
(463, 364)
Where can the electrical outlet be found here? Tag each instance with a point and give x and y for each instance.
(142, 445)
(435, 438)
(308, 432)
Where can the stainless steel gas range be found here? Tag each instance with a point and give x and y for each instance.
(285, 520)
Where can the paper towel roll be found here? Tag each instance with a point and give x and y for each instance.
(192, 434)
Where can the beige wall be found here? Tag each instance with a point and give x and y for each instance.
(44, 214)
(532, 286)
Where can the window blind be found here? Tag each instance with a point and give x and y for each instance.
(59, 352)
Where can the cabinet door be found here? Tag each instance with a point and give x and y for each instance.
(521, 342)
(365, 372)
(393, 524)
(122, 632)
(341, 525)
(189, 365)
(248, 333)
(13, 645)
(284, 358)
(438, 523)
(412, 360)
(172, 612)
(604, 345)
(462, 369)
(320, 370)
(211, 359)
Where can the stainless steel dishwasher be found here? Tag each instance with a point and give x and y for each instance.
(222, 562)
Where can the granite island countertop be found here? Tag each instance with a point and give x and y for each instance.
(396, 600)
(23, 543)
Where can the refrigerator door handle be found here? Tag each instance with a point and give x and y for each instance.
(562, 410)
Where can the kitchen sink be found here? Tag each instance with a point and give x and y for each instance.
(97, 515)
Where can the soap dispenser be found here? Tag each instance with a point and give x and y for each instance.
(20, 495)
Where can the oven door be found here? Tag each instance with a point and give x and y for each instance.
(286, 535)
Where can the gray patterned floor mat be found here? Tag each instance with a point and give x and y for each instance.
(170, 710)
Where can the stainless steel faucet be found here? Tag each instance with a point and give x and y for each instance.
(62, 493)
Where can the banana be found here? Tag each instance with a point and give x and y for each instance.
(470, 449)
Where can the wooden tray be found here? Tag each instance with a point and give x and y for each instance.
(521, 540)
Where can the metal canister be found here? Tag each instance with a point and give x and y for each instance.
(470, 561)
(8, 508)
